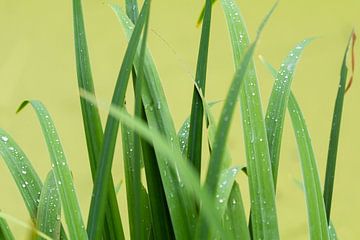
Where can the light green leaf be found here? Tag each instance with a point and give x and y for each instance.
(262, 194)
(62, 172)
(49, 212)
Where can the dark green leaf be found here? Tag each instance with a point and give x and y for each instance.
(102, 179)
(92, 122)
(197, 111)
(5, 232)
(335, 132)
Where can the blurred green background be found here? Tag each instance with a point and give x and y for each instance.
(37, 62)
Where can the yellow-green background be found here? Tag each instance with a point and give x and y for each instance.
(37, 62)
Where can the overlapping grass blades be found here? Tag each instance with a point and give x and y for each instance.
(49, 211)
(102, 179)
(92, 122)
(197, 111)
(5, 232)
(158, 117)
(235, 218)
(174, 159)
(315, 205)
(275, 114)
(335, 129)
(24, 175)
(61, 171)
(263, 210)
(157, 199)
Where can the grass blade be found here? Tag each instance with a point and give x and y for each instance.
(174, 160)
(97, 207)
(92, 122)
(197, 111)
(275, 114)
(315, 205)
(5, 232)
(235, 218)
(25, 176)
(49, 212)
(24, 225)
(132, 9)
(183, 136)
(335, 131)
(61, 171)
(202, 13)
(159, 117)
(258, 158)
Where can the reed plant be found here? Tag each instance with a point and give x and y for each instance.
(170, 201)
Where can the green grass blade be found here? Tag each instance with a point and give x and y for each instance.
(197, 111)
(263, 210)
(5, 232)
(132, 9)
(332, 232)
(97, 207)
(159, 117)
(91, 117)
(62, 172)
(224, 188)
(183, 136)
(235, 218)
(173, 159)
(26, 178)
(275, 114)
(49, 212)
(92, 122)
(24, 225)
(202, 13)
(158, 204)
(315, 205)
(335, 132)
(138, 211)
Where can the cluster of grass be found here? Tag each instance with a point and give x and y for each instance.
(171, 202)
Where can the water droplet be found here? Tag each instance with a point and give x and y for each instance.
(4, 138)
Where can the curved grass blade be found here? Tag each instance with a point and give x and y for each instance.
(174, 160)
(92, 123)
(335, 132)
(224, 188)
(311, 198)
(159, 117)
(262, 194)
(12, 219)
(26, 178)
(235, 218)
(97, 207)
(62, 172)
(5, 232)
(315, 205)
(197, 111)
(49, 212)
(275, 113)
